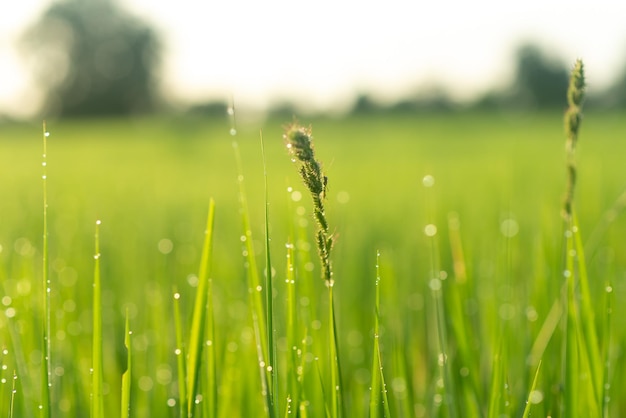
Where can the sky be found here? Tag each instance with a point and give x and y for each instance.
(320, 54)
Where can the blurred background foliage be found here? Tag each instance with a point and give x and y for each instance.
(91, 58)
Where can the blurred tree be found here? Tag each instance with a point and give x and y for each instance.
(91, 58)
(540, 81)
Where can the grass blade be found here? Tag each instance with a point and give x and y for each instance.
(127, 375)
(97, 402)
(378, 386)
(571, 328)
(269, 299)
(45, 352)
(180, 357)
(255, 289)
(198, 321)
(532, 398)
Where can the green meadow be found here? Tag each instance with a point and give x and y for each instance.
(457, 217)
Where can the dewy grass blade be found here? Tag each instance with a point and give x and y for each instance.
(269, 298)
(210, 377)
(496, 395)
(571, 330)
(180, 357)
(533, 395)
(255, 288)
(45, 352)
(378, 386)
(97, 402)
(198, 321)
(127, 375)
(587, 312)
(606, 335)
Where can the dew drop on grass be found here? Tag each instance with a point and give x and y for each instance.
(178, 351)
(176, 296)
(567, 273)
(535, 397)
(509, 228)
(435, 284)
(259, 288)
(233, 131)
(430, 230)
(428, 181)
(47, 134)
(171, 402)
(296, 196)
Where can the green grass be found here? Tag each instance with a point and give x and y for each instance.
(150, 181)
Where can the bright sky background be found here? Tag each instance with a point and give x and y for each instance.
(319, 53)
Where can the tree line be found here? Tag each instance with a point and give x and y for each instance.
(91, 58)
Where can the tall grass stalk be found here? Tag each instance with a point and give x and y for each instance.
(269, 297)
(299, 142)
(97, 401)
(582, 353)
(198, 321)
(46, 369)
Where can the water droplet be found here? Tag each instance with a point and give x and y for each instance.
(535, 397)
(176, 296)
(509, 228)
(430, 230)
(428, 181)
(233, 131)
(47, 134)
(567, 273)
(230, 111)
(608, 289)
(43, 177)
(435, 284)
(98, 222)
(44, 164)
(96, 256)
(296, 196)
(259, 288)
(178, 351)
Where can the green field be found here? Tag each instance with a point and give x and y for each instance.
(499, 184)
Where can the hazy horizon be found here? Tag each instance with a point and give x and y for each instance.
(321, 55)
